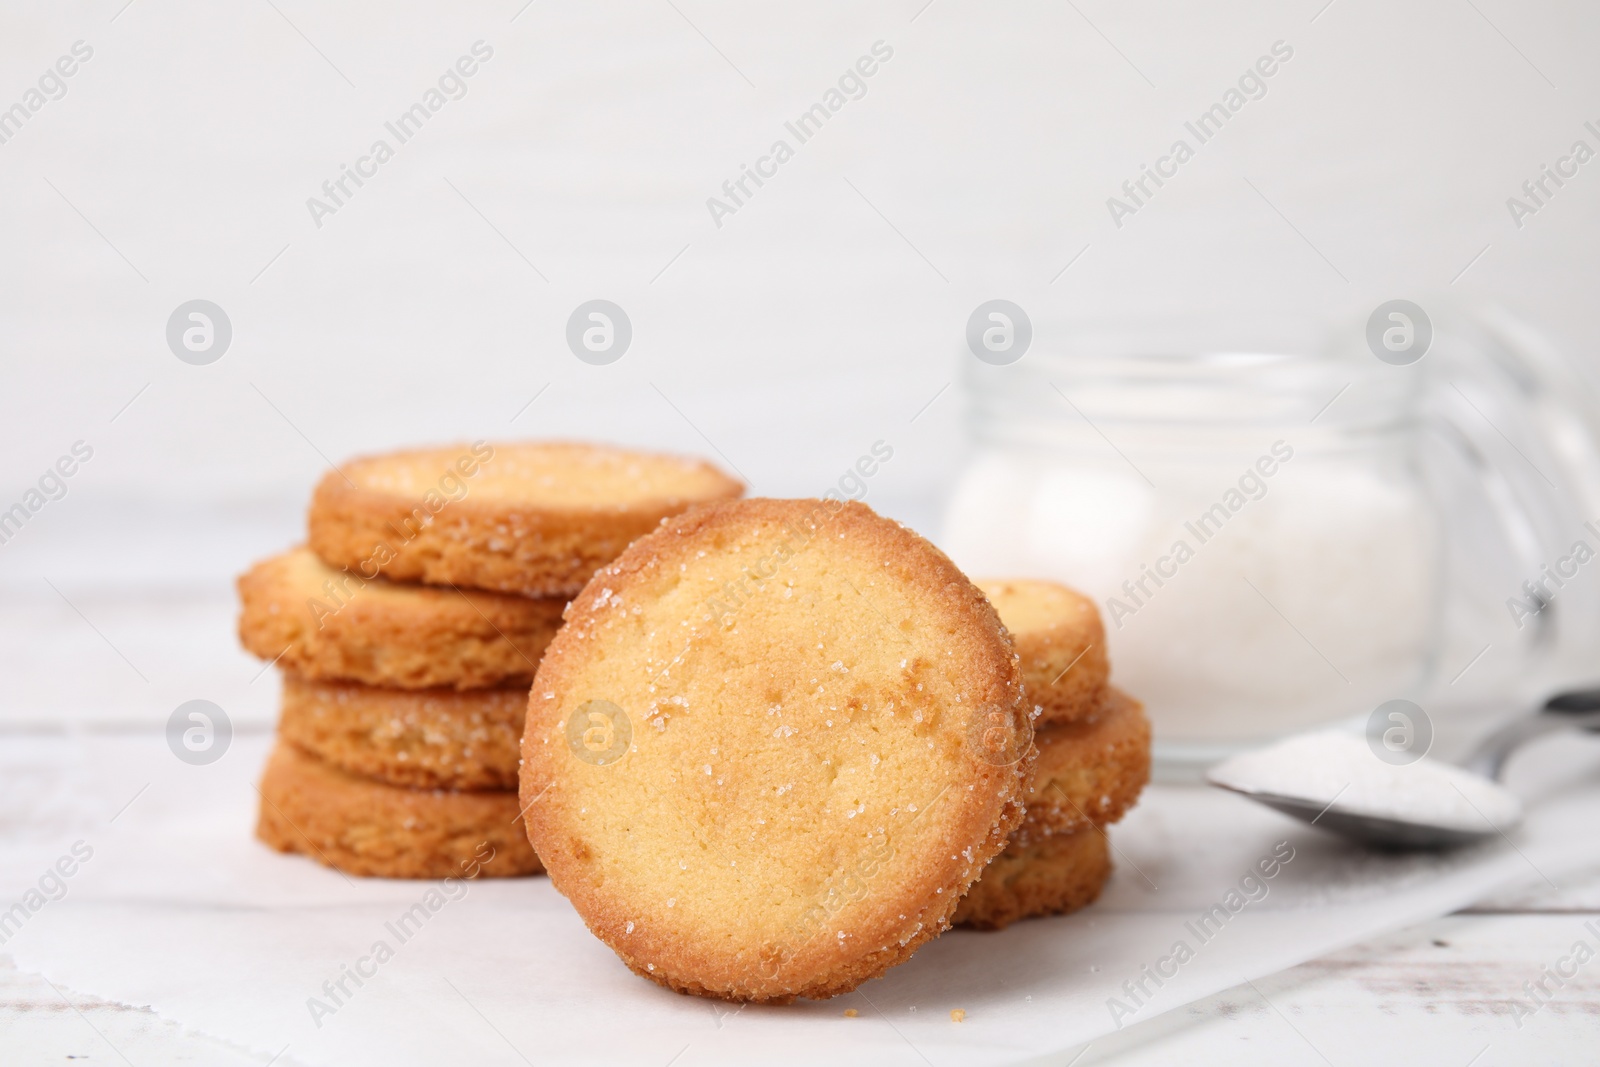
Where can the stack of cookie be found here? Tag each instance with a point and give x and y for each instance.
(401, 711)
(410, 629)
(814, 748)
(1092, 745)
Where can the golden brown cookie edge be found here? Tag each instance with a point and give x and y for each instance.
(1091, 771)
(1052, 876)
(469, 639)
(314, 809)
(349, 726)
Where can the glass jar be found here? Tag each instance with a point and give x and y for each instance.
(1267, 526)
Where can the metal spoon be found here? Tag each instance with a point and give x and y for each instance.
(1576, 710)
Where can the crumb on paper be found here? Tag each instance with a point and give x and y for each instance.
(850, 1013)
(958, 1015)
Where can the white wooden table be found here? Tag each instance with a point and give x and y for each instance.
(1438, 993)
(1433, 994)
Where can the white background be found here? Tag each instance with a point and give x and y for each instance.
(823, 316)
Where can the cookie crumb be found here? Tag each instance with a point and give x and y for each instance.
(850, 1013)
(958, 1015)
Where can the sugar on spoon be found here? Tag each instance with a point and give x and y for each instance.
(1334, 781)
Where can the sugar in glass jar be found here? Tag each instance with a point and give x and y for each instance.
(1258, 522)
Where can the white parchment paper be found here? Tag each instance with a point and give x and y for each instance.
(179, 909)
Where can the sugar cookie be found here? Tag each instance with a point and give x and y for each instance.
(1062, 643)
(1050, 876)
(773, 746)
(534, 518)
(332, 624)
(368, 828)
(419, 738)
(1090, 771)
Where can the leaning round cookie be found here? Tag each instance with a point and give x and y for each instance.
(773, 745)
(1062, 643)
(1050, 876)
(333, 624)
(1089, 772)
(419, 738)
(531, 518)
(369, 828)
